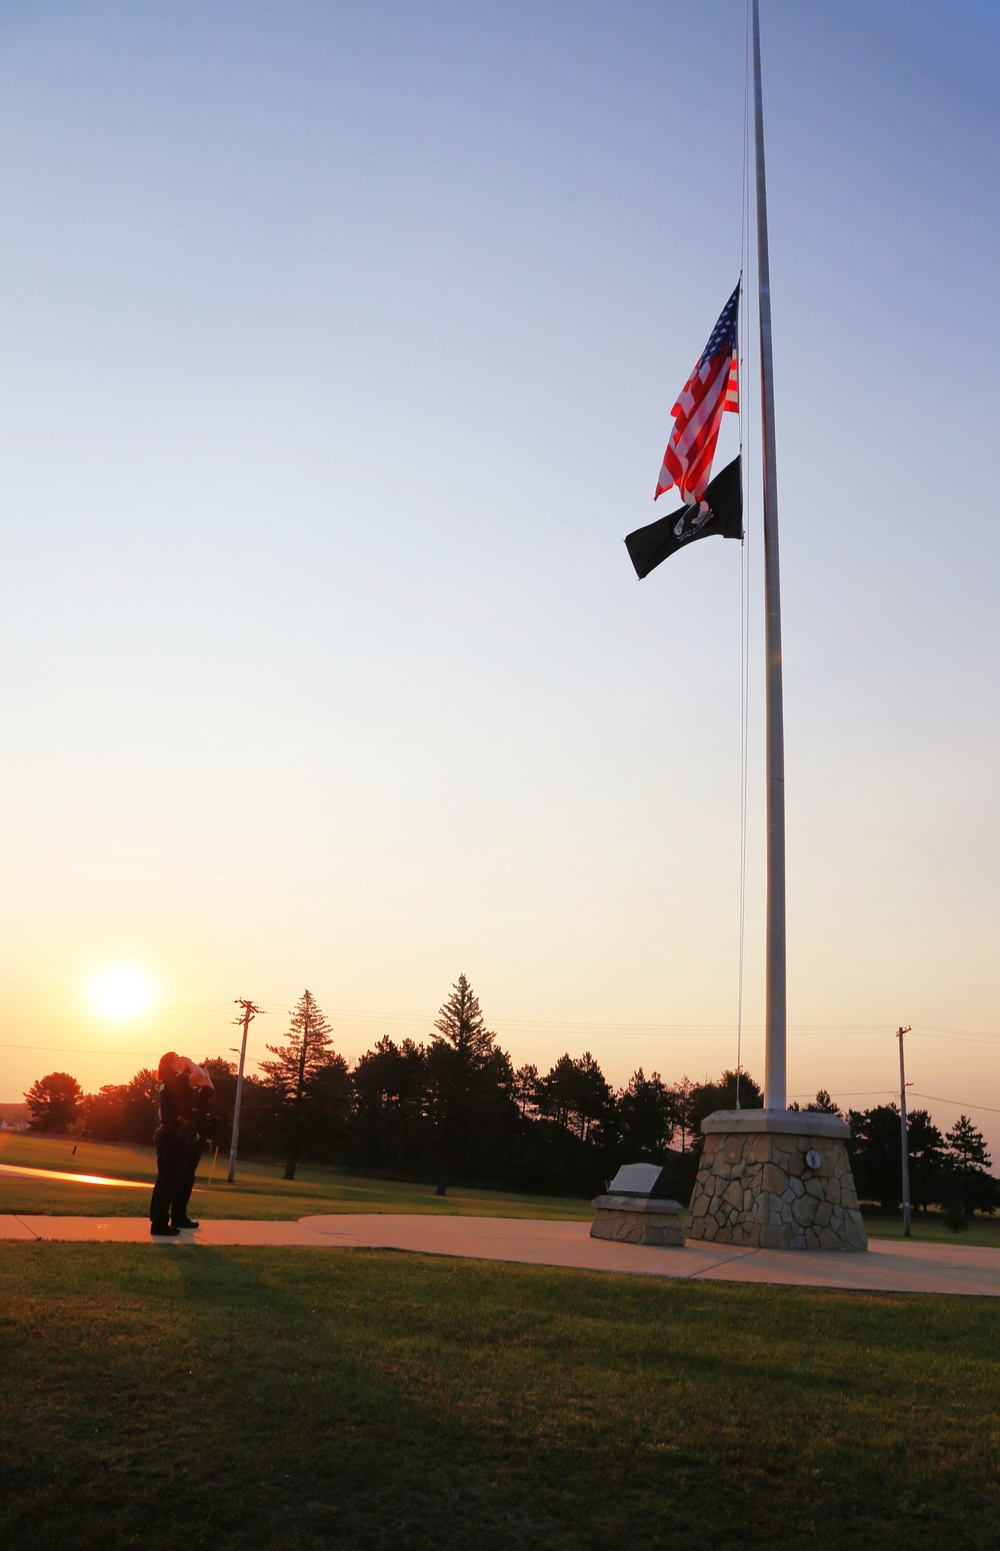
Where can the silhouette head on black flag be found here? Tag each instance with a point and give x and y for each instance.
(721, 512)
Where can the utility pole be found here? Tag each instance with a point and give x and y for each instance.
(905, 1139)
(249, 1011)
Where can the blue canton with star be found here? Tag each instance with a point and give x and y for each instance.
(723, 336)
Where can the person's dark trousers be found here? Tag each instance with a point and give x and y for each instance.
(185, 1182)
(171, 1156)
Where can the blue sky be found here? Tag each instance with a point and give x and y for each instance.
(339, 343)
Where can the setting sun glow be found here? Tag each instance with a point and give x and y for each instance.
(121, 992)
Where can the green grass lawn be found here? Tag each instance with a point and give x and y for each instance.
(931, 1228)
(259, 1190)
(289, 1400)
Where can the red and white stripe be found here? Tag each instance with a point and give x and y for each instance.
(712, 388)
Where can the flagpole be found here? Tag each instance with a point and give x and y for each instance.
(774, 1053)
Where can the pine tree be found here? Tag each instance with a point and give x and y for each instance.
(298, 1065)
(682, 1096)
(968, 1145)
(389, 1115)
(576, 1095)
(970, 1160)
(459, 1052)
(874, 1151)
(526, 1090)
(823, 1104)
(460, 1024)
(926, 1149)
(645, 1118)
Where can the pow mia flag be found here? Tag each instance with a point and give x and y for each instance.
(720, 511)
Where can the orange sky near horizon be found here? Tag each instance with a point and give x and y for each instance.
(944, 1064)
(340, 344)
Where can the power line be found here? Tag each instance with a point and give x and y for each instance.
(854, 1093)
(76, 1050)
(541, 1025)
(552, 1027)
(958, 1103)
(971, 1039)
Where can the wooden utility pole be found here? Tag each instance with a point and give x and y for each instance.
(905, 1139)
(249, 1011)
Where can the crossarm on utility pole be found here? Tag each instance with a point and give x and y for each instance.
(249, 1011)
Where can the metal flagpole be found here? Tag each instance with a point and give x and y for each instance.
(774, 1053)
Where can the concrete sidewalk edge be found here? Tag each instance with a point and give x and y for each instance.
(889, 1266)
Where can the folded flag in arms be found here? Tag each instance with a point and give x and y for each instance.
(711, 389)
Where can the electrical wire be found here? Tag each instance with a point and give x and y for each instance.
(958, 1103)
(551, 1027)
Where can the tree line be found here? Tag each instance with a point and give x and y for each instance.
(454, 1109)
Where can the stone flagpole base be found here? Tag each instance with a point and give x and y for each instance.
(776, 1179)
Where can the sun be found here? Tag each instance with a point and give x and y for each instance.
(122, 992)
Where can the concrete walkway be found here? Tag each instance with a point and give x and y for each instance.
(889, 1265)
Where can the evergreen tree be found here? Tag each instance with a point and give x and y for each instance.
(389, 1121)
(526, 1091)
(876, 1154)
(576, 1095)
(705, 1098)
(967, 1145)
(682, 1106)
(460, 1025)
(327, 1111)
(576, 1125)
(927, 1158)
(557, 1092)
(458, 1070)
(296, 1067)
(822, 1104)
(969, 1163)
(645, 1119)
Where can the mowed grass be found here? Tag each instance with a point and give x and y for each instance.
(351, 1399)
(931, 1228)
(259, 1190)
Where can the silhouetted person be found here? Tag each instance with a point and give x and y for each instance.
(172, 1139)
(204, 1122)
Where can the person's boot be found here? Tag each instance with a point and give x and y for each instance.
(186, 1222)
(163, 1230)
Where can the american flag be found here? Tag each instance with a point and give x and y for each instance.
(711, 388)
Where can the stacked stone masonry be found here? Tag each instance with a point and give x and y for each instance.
(758, 1189)
(638, 1220)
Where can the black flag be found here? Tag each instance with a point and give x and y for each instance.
(720, 512)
